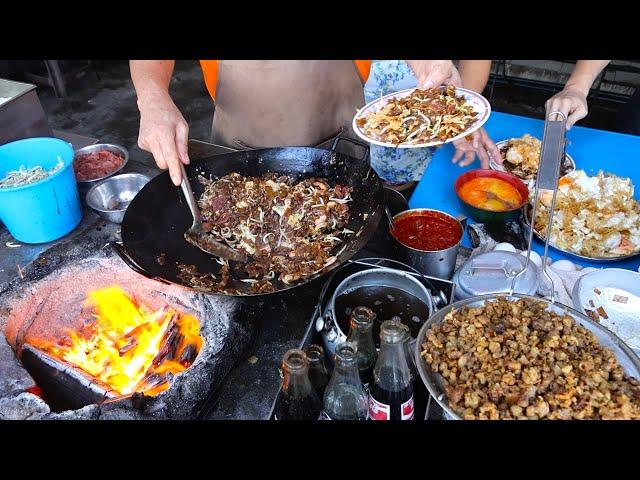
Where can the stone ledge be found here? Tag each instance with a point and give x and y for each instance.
(24, 406)
(14, 378)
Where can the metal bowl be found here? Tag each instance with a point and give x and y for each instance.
(435, 383)
(435, 263)
(111, 197)
(568, 165)
(85, 185)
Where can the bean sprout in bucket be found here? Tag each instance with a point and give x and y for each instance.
(26, 176)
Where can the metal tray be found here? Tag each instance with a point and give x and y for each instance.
(526, 222)
(435, 383)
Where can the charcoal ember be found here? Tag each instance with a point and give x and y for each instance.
(188, 355)
(131, 344)
(154, 380)
(170, 344)
(65, 342)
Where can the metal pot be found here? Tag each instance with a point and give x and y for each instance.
(328, 323)
(438, 263)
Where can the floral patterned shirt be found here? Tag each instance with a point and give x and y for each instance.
(395, 165)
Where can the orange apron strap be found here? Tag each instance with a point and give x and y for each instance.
(364, 67)
(210, 73)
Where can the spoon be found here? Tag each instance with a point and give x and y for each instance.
(389, 216)
(506, 203)
(197, 236)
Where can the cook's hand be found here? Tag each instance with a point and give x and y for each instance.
(434, 73)
(164, 132)
(480, 145)
(570, 101)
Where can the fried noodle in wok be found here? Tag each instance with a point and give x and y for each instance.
(288, 228)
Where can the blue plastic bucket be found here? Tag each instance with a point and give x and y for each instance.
(46, 210)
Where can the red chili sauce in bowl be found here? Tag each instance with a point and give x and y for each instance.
(427, 230)
(90, 166)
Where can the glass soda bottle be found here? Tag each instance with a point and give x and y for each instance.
(299, 400)
(318, 374)
(411, 363)
(391, 394)
(345, 398)
(361, 335)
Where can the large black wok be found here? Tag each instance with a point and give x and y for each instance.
(158, 216)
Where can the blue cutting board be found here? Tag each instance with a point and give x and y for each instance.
(591, 149)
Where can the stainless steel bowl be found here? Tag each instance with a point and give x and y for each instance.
(568, 165)
(436, 263)
(435, 383)
(111, 197)
(85, 185)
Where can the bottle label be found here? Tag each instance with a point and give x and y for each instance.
(407, 410)
(378, 411)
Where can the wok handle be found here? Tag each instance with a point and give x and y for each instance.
(119, 249)
(365, 146)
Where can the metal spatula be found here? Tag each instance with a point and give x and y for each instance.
(551, 156)
(197, 236)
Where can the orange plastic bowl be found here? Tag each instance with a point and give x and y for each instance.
(489, 216)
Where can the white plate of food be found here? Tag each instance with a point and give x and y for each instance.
(596, 218)
(521, 157)
(611, 297)
(416, 118)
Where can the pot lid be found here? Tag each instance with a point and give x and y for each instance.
(493, 272)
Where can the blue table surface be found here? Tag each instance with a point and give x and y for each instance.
(591, 149)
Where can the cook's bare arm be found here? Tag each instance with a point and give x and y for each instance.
(433, 73)
(572, 99)
(163, 130)
(474, 75)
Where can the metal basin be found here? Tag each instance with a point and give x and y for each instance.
(111, 197)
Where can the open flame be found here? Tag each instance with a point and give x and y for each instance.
(130, 347)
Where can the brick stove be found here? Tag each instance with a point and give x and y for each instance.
(49, 300)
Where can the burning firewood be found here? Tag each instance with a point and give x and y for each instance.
(129, 347)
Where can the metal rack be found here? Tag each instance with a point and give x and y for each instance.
(501, 77)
